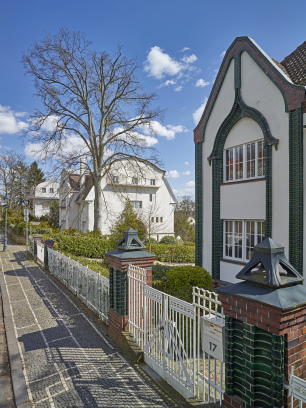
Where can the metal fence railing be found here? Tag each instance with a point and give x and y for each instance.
(183, 342)
(91, 287)
(297, 390)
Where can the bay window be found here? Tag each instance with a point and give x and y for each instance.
(240, 237)
(244, 162)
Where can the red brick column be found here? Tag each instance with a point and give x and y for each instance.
(119, 261)
(290, 323)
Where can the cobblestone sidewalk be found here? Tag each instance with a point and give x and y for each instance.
(68, 361)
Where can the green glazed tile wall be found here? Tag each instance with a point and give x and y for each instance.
(254, 365)
(296, 191)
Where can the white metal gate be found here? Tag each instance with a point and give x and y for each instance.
(169, 330)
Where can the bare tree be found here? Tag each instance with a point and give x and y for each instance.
(92, 102)
(13, 178)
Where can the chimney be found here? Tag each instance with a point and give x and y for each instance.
(82, 172)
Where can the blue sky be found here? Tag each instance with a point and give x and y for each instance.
(178, 46)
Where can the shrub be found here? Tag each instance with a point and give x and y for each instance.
(189, 243)
(153, 241)
(181, 279)
(168, 240)
(173, 253)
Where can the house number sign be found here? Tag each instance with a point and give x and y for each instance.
(213, 332)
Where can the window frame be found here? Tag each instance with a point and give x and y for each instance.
(139, 204)
(51, 190)
(231, 152)
(152, 182)
(244, 245)
(43, 190)
(115, 179)
(135, 180)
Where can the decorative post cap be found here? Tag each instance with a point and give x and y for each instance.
(270, 267)
(130, 241)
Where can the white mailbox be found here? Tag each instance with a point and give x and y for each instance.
(213, 336)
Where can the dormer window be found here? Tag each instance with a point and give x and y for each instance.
(244, 162)
(152, 182)
(43, 190)
(134, 180)
(116, 179)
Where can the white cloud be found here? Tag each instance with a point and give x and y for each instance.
(178, 88)
(222, 54)
(71, 145)
(168, 131)
(190, 59)
(185, 49)
(9, 124)
(172, 174)
(188, 190)
(198, 113)
(167, 83)
(187, 173)
(158, 64)
(186, 163)
(201, 83)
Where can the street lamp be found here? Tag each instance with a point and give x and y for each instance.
(6, 198)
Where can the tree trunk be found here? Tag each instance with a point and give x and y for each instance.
(98, 206)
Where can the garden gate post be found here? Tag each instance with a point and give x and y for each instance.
(130, 250)
(36, 238)
(265, 330)
(48, 244)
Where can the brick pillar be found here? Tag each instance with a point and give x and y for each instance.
(48, 244)
(36, 238)
(265, 336)
(119, 261)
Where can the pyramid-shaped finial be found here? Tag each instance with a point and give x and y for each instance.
(130, 241)
(270, 267)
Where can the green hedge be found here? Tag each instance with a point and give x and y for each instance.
(173, 253)
(89, 247)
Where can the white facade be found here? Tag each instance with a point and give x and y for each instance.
(144, 184)
(245, 163)
(41, 197)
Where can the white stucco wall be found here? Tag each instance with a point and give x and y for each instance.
(259, 92)
(243, 201)
(221, 109)
(81, 215)
(37, 196)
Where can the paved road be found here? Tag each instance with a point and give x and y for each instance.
(68, 360)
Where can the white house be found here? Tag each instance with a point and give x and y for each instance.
(41, 197)
(144, 184)
(250, 172)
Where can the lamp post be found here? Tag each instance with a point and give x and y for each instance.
(6, 198)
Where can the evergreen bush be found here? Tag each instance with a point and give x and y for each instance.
(168, 240)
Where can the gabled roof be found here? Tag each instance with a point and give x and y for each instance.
(295, 65)
(74, 181)
(86, 190)
(284, 75)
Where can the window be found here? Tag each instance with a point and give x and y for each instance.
(152, 219)
(134, 180)
(43, 190)
(152, 182)
(45, 205)
(151, 197)
(240, 237)
(136, 204)
(157, 219)
(245, 161)
(161, 219)
(116, 179)
(51, 190)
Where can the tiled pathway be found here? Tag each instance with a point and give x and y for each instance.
(68, 361)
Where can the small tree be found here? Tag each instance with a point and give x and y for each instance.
(53, 216)
(35, 175)
(128, 218)
(184, 209)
